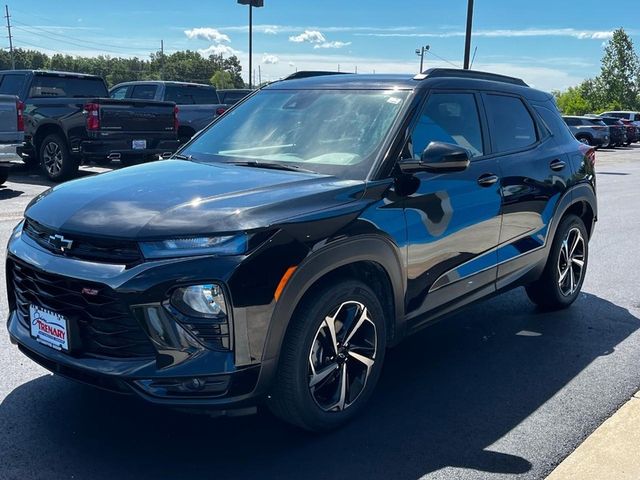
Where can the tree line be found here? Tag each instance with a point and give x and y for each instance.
(184, 66)
(617, 87)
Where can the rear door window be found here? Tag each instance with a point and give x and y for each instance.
(512, 126)
(573, 122)
(119, 93)
(12, 84)
(144, 92)
(450, 118)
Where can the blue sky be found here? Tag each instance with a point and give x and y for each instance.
(549, 43)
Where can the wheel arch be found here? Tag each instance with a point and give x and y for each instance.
(371, 259)
(45, 129)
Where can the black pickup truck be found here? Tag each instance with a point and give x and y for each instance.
(69, 119)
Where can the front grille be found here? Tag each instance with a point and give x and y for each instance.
(121, 252)
(99, 325)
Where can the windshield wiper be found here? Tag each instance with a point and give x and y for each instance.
(179, 156)
(272, 165)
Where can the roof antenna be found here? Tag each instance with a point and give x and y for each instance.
(475, 50)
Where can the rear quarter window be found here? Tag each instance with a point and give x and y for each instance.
(552, 119)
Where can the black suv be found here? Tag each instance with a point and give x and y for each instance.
(320, 221)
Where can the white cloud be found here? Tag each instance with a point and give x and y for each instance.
(309, 36)
(224, 50)
(205, 33)
(335, 44)
(271, 30)
(292, 64)
(505, 33)
(270, 59)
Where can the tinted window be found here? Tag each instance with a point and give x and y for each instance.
(618, 115)
(144, 92)
(187, 95)
(55, 86)
(12, 84)
(552, 120)
(572, 121)
(450, 118)
(119, 93)
(594, 121)
(232, 98)
(512, 127)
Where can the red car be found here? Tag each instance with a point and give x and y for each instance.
(633, 132)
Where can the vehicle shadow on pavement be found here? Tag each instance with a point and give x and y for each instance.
(445, 396)
(7, 193)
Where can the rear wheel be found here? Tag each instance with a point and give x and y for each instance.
(331, 358)
(585, 140)
(55, 160)
(562, 278)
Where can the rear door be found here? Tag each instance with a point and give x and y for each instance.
(534, 173)
(453, 219)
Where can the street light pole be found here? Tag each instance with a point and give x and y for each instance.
(467, 41)
(257, 4)
(420, 52)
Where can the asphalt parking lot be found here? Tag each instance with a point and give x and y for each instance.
(498, 390)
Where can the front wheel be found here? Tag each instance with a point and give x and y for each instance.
(55, 160)
(562, 278)
(331, 357)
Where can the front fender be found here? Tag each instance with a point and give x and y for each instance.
(363, 248)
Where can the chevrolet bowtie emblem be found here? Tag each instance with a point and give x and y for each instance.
(60, 243)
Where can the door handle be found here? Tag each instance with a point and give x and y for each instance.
(487, 179)
(557, 165)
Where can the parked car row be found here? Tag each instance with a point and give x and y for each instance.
(72, 118)
(609, 129)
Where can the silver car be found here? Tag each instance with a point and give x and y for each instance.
(589, 130)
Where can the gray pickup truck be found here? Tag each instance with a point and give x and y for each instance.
(198, 104)
(11, 130)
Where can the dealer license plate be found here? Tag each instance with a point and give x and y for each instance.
(49, 328)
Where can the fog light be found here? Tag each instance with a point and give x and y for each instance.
(200, 300)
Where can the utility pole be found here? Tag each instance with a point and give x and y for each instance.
(13, 60)
(161, 59)
(259, 76)
(467, 41)
(420, 52)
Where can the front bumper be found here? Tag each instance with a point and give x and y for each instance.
(181, 370)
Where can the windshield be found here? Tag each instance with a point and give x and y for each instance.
(334, 132)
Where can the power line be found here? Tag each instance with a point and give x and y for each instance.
(443, 59)
(83, 40)
(79, 45)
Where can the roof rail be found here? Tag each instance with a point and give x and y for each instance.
(459, 73)
(311, 73)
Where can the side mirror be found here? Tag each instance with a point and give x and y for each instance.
(438, 157)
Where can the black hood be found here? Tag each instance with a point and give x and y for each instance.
(174, 198)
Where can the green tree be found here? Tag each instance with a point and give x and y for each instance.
(222, 79)
(573, 102)
(620, 75)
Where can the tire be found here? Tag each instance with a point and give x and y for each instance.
(585, 140)
(558, 287)
(4, 174)
(308, 348)
(55, 160)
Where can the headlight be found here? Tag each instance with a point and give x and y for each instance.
(200, 300)
(182, 247)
